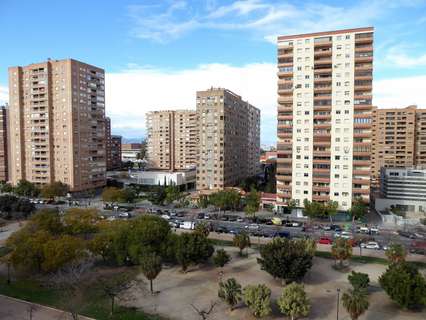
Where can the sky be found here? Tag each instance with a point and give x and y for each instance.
(158, 53)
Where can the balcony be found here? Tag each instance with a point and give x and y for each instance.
(320, 198)
(320, 189)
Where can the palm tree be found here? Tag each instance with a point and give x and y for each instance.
(150, 265)
(355, 302)
(341, 250)
(230, 292)
(241, 240)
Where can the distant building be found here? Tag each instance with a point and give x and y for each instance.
(172, 140)
(403, 190)
(57, 124)
(3, 144)
(229, 139)
(115, 152)
(130, 151)
(184, 178)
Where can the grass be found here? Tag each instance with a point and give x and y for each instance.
(98, 305)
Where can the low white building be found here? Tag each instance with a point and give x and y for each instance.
(403, 190)
(160, 177)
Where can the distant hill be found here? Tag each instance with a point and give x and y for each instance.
(131, 140)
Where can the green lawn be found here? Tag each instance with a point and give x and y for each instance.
(98, 306)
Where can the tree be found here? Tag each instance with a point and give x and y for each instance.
(5, 187)
(359, 280)
(111, 194)
(242, 241)
(79, 221)
(230, 292)
(24, 206)
(54, 189)
(59, 252)
(127, 195)
(291, 204)
(221, 258)
(288, 260)
(330, 209)
(396, 253)
(114, 286)
(48, 220)
(26, 189)
(191, 248)
(293, 301)
(172, 194)
(312, 209)
(202, 229)
(341, 250)
(7, 203)
(157, 195)
(252, 203)
(257, 298)
(355, 302)
(359, 209)
(405, 285)
(219, 200)
(204, 313)
(203, 201)
(150, 264)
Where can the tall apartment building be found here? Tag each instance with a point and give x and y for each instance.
(324, 116)
(57, 124)
(115, 152)
(398, 139)
(229, 131)
(393, 139)
(108, 143)
(3, 144)
(172, 140)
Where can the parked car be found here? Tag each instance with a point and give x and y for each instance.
(374, 230)
(276, 221)
(173, 224)
(220, 229)
(365, 230)
(252, 226)
(239, 219)
(325, 240)
(370, 245)
(406, 234)
(165, 217)
(418, 247)
(187, 225)
(282, 234)
(201, 215)
(124, 215)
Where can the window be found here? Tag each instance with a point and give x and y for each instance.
(348, 36)
(339, 47)
(336, 194)
(306, 174)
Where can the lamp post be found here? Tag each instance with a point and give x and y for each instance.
(338, 303)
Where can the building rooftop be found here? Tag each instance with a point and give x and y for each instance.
(324, 33)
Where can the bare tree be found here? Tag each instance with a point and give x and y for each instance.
(70, 280)
(204, 313)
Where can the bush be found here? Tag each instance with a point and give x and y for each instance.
(359, 280)
(405, 285)
(257, 298)
(192, 248)
(221, 258)
(293, 301)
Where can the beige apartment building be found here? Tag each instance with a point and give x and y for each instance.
(229, 138)
(398, 139)
(172, 139)
(324, 116)
(57, 124)
(3, 144)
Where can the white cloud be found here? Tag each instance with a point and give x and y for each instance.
(400, 92)
(162, 23)
(4, 95)
(398, 57)
(132, 93)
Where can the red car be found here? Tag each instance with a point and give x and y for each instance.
(325, 240)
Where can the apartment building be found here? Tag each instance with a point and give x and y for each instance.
(115, 152)
(130, 151)
(57, 124)
(229, 138)
(172, 139)
(324, 116)
(420, 158)
(3, 144)
(393, 139)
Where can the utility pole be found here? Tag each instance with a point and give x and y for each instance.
(338, 303)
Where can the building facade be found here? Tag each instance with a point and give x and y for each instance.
(130, 151)
(420, 158)
(229, 139)
(3, 144)
(172, 139)
(115, 152)
(57, 124)
(324, 116)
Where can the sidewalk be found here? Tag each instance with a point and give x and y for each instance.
(13, 309)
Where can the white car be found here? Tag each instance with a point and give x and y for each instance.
(370, 245)
(252, 226)
(374, 230)
(343, 234)
(165, 217)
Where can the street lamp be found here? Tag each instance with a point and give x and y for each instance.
(338, 304)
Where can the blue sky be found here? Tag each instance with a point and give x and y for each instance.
(156, 54)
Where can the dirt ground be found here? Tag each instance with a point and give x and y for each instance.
(177, 291)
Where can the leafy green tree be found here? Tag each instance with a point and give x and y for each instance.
(202, 229)
(26, 189)
(405, 285)
(221, 258)
(7, 205)
(257, 298)
(127, 195)
(24, 206)
(203, 201)
(61, 251)
(396, 253)
(173, 193)
(5, 187)
(330, 209)
(341, 250)
(359, 280)
(111, 194)
(359, 209)
(233, 199)
(168, 248)
(79, 221)
(12, 207)
(157, 195)
(252, 201)
(312, 209)
(242, 241)
(288, 260)
(47, 220)
(230, 292)
(191, 248)
(150, 264)
(219, 200)
(54, 189)
(355, 302)
(293, 301)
